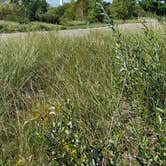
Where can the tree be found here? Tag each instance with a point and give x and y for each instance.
(32, 8)
(155, 6)
(70, 11)
(81, 9)
(53, 15)
(10, 12)
(90, 9)
(123, 9)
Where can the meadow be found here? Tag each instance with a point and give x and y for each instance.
(13, 27)
(93, 100)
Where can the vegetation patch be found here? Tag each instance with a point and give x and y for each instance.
(92, 100)
(8, 27)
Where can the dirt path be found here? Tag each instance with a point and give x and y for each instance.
(81, 32)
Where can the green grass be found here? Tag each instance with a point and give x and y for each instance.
(9, 27)
(134, 20)
(82, 24)
(97, 99)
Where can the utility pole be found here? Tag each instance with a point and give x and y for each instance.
(61, 2)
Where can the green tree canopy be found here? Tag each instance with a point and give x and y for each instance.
(123, 8)
(155, 6)
(32, 8)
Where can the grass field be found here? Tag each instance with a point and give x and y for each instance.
(11, 27)
(92, 100)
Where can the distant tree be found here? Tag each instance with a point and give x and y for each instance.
(32, 8)
(11, 12)
(123, 8)
(41, 7)
(81, 9)
(155, 6)
(53, 15)
(14, 1)
(90, 9)
(70, 11)
(3, 1)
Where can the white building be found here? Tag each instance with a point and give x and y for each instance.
(61, 2)
(57, 2)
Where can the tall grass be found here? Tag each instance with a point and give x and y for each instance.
(12, 27)
(93, 100)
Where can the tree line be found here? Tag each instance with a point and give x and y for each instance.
(39, 10)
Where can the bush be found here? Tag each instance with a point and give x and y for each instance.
(10, 12)
(19, 19)
(53, 15)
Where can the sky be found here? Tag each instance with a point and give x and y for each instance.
(56, 2)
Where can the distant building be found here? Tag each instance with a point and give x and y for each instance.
(61, 2)
(57, 2)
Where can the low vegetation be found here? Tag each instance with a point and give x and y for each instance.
(9, 26)
(92, 100)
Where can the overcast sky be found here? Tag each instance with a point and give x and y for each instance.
(56, 2)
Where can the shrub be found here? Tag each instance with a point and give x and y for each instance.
(10, 12)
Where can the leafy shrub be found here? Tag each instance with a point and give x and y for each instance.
(10, 12)
(21, 20)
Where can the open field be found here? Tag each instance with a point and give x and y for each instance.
(13, 27)
(81, 32)
(96, 99)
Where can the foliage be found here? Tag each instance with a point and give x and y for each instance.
(53, 15)
(69, 12)
(157, 7)
(123, 8)
(92, 100)
(31, 10)
(11, 12)
(9, 27)
(81, 10)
